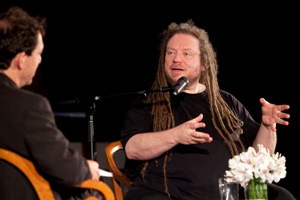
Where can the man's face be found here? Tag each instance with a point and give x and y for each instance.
(183, 58)
(32, 62)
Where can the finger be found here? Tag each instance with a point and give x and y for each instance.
(283, 107)
(198, 125)
(198, 118)
(283, 115)
(282, 122)
(263, 101)
(203, 139)
(273, 127)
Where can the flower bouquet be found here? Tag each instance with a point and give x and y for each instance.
(253, 170)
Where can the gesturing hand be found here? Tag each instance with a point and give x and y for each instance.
(272, 114)
(188, 134)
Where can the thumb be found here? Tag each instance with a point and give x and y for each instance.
(198, 118)
(263, 101)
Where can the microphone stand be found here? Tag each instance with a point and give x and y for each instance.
(91, 130)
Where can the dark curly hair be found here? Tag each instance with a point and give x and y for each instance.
(18, 33)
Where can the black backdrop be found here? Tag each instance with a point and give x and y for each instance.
(109, 50)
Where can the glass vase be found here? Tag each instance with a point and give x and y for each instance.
(256, 190)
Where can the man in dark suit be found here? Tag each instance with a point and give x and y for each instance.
(27, 123)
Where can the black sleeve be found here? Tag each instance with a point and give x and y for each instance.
(250, 127)
(49, 148)
(138, 119)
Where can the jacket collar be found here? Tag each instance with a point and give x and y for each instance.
(5, 80)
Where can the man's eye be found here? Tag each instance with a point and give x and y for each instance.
(186, 54)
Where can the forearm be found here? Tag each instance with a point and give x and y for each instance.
(145, 146)
(266, 137)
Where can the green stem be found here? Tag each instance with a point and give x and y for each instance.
(257, 190)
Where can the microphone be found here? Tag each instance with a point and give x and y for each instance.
(180, 85)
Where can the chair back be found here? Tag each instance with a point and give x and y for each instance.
(41, 185)
(120, 181)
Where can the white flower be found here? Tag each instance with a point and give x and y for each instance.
(256, 165)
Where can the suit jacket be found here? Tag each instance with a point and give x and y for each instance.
(27, 126)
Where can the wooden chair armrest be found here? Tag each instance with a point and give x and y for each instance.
(99, 186)
(117, 173)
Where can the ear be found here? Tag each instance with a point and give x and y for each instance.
(202, 67)
(20, 60)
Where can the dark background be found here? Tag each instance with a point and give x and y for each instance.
(111, 49)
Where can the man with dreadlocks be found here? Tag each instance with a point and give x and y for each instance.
(177, 146)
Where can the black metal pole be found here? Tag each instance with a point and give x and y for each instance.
(91, 130)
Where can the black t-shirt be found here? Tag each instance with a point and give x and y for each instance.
(193, 170)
